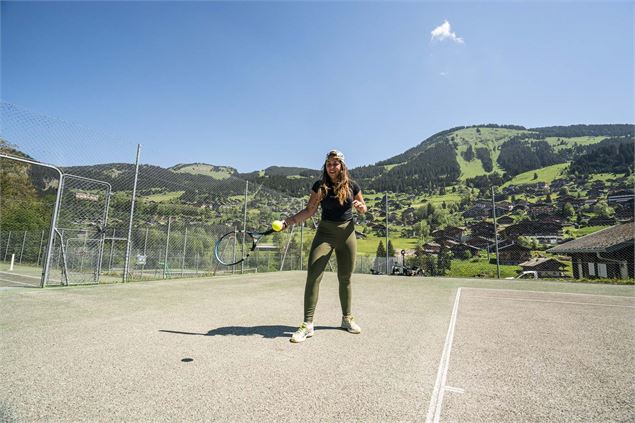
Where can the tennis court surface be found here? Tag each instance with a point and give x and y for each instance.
(432, 349)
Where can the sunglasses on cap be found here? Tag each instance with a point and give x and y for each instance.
(335, 154)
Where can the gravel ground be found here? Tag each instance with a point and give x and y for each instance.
(116, 352)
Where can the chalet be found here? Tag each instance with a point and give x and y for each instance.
(574, 201)
(520, 205)
(480, 242)
(450, 232)
(504, 206)
(541, 208)
(464, 250)
(483, 229)
(360, 235)
(556, 184)
(537, 188)
(544, 267)
(601, 221)
(621, 197)
(513, 254)
(505, 220)
(431, 248)
(532, 228)
(603, 254)
(623, 214)
(476, 211)
(512, 189)
(595, 192)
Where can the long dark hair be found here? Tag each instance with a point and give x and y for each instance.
(341, 187)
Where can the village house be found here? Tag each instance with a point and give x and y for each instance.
(431, 248)
(480, 242)
(531, 228)
(623, 198)
(538, 209)
(513, 254)
(505, 220)
(544, 267)
(483, 229)
(607, 253)
(451, 232)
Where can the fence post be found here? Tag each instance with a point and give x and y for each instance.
(387, 233)
(183, 256)
(134, 194)
(22, 250)
(145, 249)
(6, 251)
(39, 251)
(242, 263)
(167, 248)
(301, 243)
(498, 271)
(112, 247)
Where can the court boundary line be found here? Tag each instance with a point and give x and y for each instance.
(531, 300)
(21, 283)
(436, 400)
(20, 274)
(548, 292)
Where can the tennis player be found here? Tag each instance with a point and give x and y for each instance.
(337, 194)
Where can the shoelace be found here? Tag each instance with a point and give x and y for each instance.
(302, 329)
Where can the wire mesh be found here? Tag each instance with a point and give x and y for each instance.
(180, 211)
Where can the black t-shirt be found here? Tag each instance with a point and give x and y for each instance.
(331, 208)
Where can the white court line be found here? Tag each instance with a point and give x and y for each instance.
(21, 283)
(18, 274)
(434, 409)
(551, 301)
(549, 292)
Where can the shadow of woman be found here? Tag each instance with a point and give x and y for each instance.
(266, 331)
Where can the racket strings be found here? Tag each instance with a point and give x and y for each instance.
(231, 249)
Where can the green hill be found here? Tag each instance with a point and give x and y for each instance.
(216, 172)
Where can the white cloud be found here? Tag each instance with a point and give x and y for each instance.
(444, 32)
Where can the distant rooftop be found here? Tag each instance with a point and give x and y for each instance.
(604, 241)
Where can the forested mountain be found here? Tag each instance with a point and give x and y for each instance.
(499, 152)
(613, 155)
(470, 155)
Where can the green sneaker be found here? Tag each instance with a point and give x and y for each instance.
(304, 331)
(349, 324)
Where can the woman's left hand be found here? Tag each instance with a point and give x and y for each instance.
(359, 206)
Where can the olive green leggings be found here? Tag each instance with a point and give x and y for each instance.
(338, 236)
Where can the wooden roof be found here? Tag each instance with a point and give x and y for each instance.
(604, 241)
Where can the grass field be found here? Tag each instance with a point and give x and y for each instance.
(203, 169)
(546, 174)
(163, 197)
(570, 142)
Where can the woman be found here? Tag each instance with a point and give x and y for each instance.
(337, 194)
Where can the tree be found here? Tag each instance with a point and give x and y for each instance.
(603, 210)
(568, 211)
(381, 250)
(444, 261)
(423, 230)
(391, 249)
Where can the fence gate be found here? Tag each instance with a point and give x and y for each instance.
(79, 231)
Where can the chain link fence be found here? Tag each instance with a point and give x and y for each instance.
(98, 231)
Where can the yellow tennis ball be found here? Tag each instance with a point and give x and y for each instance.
(277, 225)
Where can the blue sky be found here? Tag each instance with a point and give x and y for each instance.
(257, 84)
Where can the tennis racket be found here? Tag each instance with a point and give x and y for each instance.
(230, 249)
